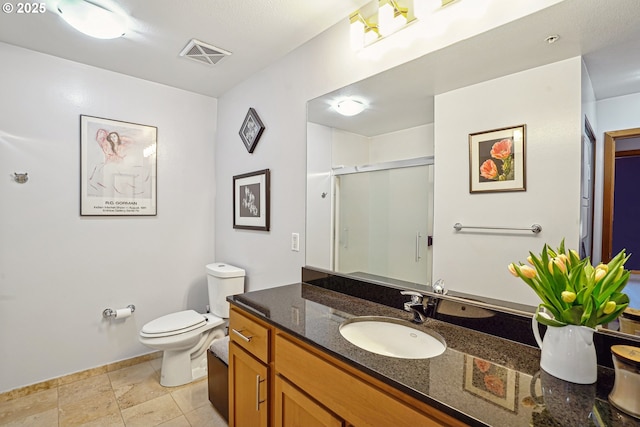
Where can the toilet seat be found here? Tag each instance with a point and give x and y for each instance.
(174, 324)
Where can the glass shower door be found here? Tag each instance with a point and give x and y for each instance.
(383, 223)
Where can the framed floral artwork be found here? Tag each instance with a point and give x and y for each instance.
(251, 130)
(117, 168)
(497, 160)
(490, 382)
(251, 196)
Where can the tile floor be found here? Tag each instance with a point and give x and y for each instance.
(128, 397)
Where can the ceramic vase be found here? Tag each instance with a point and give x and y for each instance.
(568, 352)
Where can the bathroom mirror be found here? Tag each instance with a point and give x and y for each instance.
(402, 100)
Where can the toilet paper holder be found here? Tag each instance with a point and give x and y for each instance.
(109, 312)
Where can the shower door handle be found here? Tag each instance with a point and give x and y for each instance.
(418, 237)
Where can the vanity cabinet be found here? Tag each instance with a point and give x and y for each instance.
(323, 383)
(278, 380)
(249, 370)
(294, 408)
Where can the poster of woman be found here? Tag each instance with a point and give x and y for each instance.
(118, 167)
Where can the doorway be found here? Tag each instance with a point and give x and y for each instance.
(621, 202)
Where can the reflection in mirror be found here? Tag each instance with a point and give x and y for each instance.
(338, 143)
(370, 187)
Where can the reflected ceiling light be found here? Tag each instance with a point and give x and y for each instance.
(349, 107)
(92, 19)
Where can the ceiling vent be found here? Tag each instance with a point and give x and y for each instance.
(204, 53)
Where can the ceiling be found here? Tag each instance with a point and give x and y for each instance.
(605, 33)
(256, 32)
(259, 32)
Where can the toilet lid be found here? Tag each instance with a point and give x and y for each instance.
(182, 321)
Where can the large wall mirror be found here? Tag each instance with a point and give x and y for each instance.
(370, 176)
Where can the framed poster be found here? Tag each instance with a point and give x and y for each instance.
(251, 200)
(117, 168)
(251, 130)
(496, 160)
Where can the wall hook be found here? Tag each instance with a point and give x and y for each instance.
(20, 178)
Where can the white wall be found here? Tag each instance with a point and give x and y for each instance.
(547, 100)
(58, 270)
(279, 94)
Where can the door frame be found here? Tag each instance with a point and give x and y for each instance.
(608, 187)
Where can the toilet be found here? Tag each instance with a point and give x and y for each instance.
(185, 336)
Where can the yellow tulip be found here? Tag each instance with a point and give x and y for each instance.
(604, 267)
(512, 269)
(600, 273)
(609, 307)
(528, 272)
(559, 262)
(530, 260)
(568, 296)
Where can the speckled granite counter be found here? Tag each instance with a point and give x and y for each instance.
(481, 379)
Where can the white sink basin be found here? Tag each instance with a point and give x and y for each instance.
(392, 337)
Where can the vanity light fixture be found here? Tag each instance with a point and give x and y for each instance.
(93, 19)
(363, 32)
(349, 107)
(390, 16)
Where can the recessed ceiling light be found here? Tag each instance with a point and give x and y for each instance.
(349, 107)
(552, 39)
(92, 19)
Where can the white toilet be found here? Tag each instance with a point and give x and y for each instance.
(185, 336)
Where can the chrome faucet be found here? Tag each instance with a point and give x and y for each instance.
(416, 306)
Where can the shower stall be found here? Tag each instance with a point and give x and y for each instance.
(383, 220)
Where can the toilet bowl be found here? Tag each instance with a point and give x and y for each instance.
(184, 336)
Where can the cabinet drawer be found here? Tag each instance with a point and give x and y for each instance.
(249, 334)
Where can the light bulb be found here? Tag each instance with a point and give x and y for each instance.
(349, 107)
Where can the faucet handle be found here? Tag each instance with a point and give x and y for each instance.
(416, 297)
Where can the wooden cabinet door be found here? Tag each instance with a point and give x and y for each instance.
(248, 388)
(293, 408)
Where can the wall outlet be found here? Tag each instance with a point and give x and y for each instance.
(295, 242)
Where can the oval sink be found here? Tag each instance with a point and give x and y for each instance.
(392, 337)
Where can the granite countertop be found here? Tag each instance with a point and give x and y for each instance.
(480, 379)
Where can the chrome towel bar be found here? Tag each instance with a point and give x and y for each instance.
(535, 228)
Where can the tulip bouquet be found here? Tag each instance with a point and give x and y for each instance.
(573, 292)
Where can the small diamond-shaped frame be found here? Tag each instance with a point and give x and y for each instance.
(251, 130)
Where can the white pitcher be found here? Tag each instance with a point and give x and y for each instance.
(568, 352)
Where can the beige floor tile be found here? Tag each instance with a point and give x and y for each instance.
(135, 394)
(28, 406)
(181, 421)
(90, 409)
(192, 396)
(206, 416)
(151, 413)
(43, 419)
(82, 389)
(132, 374)
(156, 364)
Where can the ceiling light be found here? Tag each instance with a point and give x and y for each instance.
(552, 39)
(349, 107)
(92, 19)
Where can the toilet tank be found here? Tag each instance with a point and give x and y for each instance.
(223, 280)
